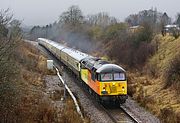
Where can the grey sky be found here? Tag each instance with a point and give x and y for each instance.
(42, 12)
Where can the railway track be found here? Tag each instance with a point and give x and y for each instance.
(130, 115)
(116, 114)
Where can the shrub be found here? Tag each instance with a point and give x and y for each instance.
(152, 70)
(131, 90)
(144, 51)
(172, 74)
(167, 115)
(69, 114)
(33, 107)
(175, 33)
(9, 98)
(126, 53)
(131, 48)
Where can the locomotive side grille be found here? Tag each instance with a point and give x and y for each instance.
(113, 89)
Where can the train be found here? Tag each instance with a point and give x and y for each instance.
(107, 82)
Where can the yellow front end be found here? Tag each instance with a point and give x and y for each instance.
(113, 88)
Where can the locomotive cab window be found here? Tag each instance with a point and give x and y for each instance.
(119, 76)
(106, 76)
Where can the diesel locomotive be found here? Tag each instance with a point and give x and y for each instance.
(105, 81)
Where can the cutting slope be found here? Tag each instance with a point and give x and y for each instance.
(157, 87)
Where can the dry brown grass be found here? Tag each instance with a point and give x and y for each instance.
(172, 74)
(31, 105)
(33, 108)
(151, 95)
(46, 112)
(147, 87)
(69, 114)
(169, 116)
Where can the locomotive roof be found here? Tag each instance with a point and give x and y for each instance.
(106, 68)
(101, 66)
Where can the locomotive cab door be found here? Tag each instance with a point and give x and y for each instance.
(93, 74)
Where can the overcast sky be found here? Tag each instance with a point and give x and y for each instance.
(42, 12)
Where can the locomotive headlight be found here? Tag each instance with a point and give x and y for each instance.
(123, 90)
(104, 90)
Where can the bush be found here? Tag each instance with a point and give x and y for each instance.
(167, 115)
(122, 52)
(69, 114)
(131, 89)
(130, 48)
(175, 33)
(128, 54)
(9, 98)
(172, 74)
(152, 69)
(144, 51)
(33, 107)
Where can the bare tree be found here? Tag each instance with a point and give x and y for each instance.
(73, 17)
(101, 19)
(10, 35)
(178, 19)
(132, 20)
